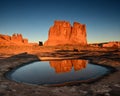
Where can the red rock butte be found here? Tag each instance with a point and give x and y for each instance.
(15, 39)
(62, 33)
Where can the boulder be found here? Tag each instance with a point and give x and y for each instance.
(40, 43)
(62, 33)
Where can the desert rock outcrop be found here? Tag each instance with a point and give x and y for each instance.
(115, 44)
(62, 33)
(112, 44)
(15, 39)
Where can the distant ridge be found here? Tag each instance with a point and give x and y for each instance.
(15, 39)
(106, 44)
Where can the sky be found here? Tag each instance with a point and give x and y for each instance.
(33, 18)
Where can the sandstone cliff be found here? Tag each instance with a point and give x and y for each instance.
(15, 39)
(62, 33)
(66, 65)
(112, 44)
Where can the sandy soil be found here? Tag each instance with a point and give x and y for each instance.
(107, 86)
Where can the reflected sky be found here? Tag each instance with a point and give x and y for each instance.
(46, 72)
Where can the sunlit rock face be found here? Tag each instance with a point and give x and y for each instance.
(67, 65)
(115, 44)
(111, 44)
(15, 39)
(62, 33)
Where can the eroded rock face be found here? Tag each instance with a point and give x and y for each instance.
(62, 33)
(14, 39)
(115, 44)
(112, 44)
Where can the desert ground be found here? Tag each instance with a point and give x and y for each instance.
(13, 56)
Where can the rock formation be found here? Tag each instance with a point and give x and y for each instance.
(66, 65)
(15, 39)
(115, 44)
(112, 44)
(40, 43)
(62, 33)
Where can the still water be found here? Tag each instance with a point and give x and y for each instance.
(56, 72)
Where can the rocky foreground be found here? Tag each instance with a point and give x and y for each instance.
(11, 57)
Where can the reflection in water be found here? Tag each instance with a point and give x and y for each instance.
(66, 65)
(43, 72)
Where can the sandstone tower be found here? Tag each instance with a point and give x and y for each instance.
(62, 33)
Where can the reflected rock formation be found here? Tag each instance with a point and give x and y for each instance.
(67, 65)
